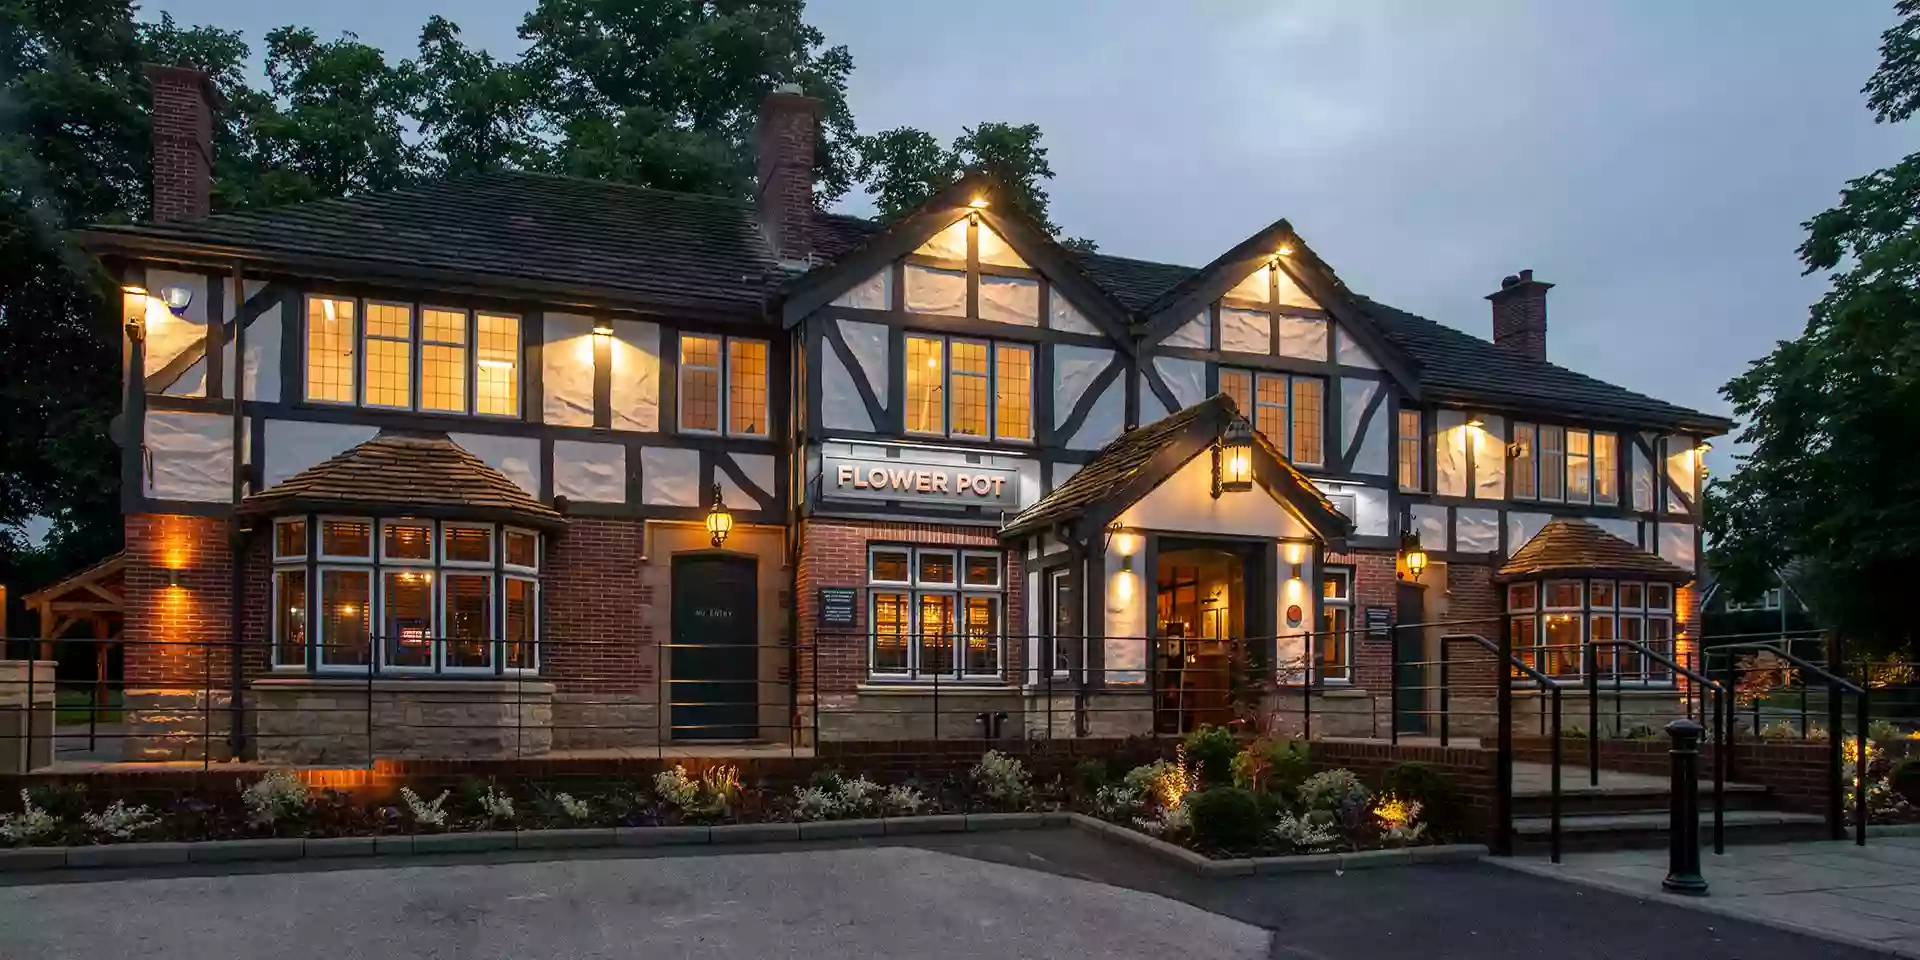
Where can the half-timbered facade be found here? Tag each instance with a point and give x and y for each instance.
(457, 445)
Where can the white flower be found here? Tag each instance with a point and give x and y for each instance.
(425, 814)
(278, 794)
(30, 825)
(121, 821)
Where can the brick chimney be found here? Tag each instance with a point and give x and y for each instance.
(1520, 315)
(184, 102)
(789, 134)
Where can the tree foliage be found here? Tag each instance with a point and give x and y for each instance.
(904, 166)
(1833, 418)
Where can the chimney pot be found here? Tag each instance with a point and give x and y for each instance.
(183, 105)
(1520, 315)
(789, 135)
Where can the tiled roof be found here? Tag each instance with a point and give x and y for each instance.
(1578, 548)
(419, 474)
(1110, 471)
(656, 245)
(1135, 283)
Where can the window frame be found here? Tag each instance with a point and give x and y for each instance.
(417, 343)
(914, 589)
(1253, 408)
(723, 369)
(1344, 639)
(1414, 443)
(1628, 621)
(352, 364)
(992, 346)
(469, 364)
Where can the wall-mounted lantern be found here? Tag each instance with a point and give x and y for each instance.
(1233, 459)
(1413, 554)
(719, 521)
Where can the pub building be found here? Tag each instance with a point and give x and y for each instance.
(516, 464)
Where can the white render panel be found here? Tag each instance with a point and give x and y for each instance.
(1126, 619)
(1374, 455)
(1254, 286)
(1489, 458)
(1074, 370)
(517, 458)
(1680, 470)
(566, 370)
(1194, 333)
(190, 456)
(590, 472)
(1476, 530)
(840, 404)
(170, 334)
(1105, 420)
(1628, 530)
(1245, 331)
(1354, 396)
(264, 338)
(1292, 296)
(1029, 483)
(1450, 460)
(758, 468)
(994, 250)
(1430, 522)
(1640, 477)
(931, 290)
(1676, 544)
(1151, 407)
(192, 381)
(1303, 337)
(1184, 503)
(634, 392)
(1067, 318)
(1290, 641)
(1187, 379)
(1349, 353)
(1522, 527)
(1062, 471)
(669, 477)
(949, 244)
(1372, 516)
(295, 445)
(868, 344)
(1013, 300)
(873, 293)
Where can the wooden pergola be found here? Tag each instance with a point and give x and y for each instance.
(94, 597)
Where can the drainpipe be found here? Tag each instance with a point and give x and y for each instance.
(236, 537)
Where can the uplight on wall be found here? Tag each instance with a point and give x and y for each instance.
(1476, 420)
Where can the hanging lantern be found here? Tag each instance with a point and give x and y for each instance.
(1233, 459)
(1413, 554)
(719, 521)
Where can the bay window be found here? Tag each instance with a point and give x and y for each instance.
(408, 356)
(1289, 410)
(723, 385)
(935, 613)
(404, 596)
(977, 389)
(1554, 623)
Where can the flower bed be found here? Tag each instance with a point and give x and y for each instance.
(1220, 798)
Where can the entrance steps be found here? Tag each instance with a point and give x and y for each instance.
(1631, 810)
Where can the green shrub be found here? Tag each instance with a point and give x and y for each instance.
(1905, 779)
(1442, 806)
(1090, 775)
(1226, 818)
(1884, 732)
(1272, 766)
(1210, 753)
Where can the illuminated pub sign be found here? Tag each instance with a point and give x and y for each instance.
(906, 481)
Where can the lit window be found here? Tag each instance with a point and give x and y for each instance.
(331, 338)
(406, 620)
(290, 539)
(706, 362)
(520, 611)
(1606, 468)
(1553, 468)
(467, 621)
(496, 379)
(1332, 647)
(1410, 441)
(966, 388)
(1579, 466)
(1308, 415)
(935, 613)
(443, 360)
(389, 356)
(346, 539)
(1523, 471)
(346, 609)
(1289, 411)
(290, 617)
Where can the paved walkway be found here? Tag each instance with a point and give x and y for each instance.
(1868, 895)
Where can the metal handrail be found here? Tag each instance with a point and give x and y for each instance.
(1504, 822)
(1838, 687)
(1722, 719)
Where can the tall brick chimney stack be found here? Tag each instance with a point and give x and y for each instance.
(184, 102)
(1520, 315)
(789, 135)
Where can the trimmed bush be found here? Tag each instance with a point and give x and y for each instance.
(1444, 810)
(1210, 753)
(1905, 779)
(1226, 818)
(1272, 767)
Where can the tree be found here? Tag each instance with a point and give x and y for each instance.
(903, 167)
(666, 93)
(1833, 476)
(475, 113)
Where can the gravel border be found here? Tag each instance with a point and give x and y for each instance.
(123, 855)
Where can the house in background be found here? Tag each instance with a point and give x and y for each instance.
(518, 464)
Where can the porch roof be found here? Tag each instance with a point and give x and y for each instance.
(403, 473)
(1572, 547)
(1143, 458)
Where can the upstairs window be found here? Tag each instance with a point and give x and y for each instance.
(739, 408)
(1410, 443)
(976, 389)
(1289, 410)
(1564, 465)
(407, 356)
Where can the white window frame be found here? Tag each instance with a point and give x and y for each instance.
(1345, 640)
(915, 588)
(508, 565)
(493, 545)
(433, 542)
(306, 539)
(317, 633)
(320, 540)
(381, 638)
(492, 638)
(533, 623)
(724, 359)
(306, 618)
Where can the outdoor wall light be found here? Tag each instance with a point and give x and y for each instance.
(978, 203)
(1286, 250)
(719, 521)
(1233, 459)
(173, 576)
(602, 328)
(1476, 420)
(1296, 574)
(1413, 554)
(176, 297)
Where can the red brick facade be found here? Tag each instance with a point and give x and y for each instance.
(182, 143)
(177, 636)
(599, 609)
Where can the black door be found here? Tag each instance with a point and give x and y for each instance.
(715, 657)
(1410, 673)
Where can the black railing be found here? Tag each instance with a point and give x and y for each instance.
(1837, 689)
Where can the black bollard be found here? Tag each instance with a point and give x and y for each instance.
(1683, 833)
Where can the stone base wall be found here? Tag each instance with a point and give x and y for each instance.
(307, 720)
(26, 735)
(177, 725)
(598, 721)
(916, 714)
(1337, 712)
(1119, 714)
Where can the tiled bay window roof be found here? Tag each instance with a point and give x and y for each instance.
(571, 239)
(1576, 548)
(405, 474)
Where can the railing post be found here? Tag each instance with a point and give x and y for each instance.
(1555, 807)
(1683, 829)
(1860, 768)
(1306, 699)
(1722, 747)
(1393, 688)
(1836, 732)
(1590, 652)
(1446, 705)
(26, 746)
(1503, 740)
(1730, 679)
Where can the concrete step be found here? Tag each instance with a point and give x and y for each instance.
(1620, 831)
(1577, 796)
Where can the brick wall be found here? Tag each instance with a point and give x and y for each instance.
(1795, 774)
(789, 124)
(833, 553)
(599, 609)
(1374, 585)
(1470, 770)
(177, 636)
